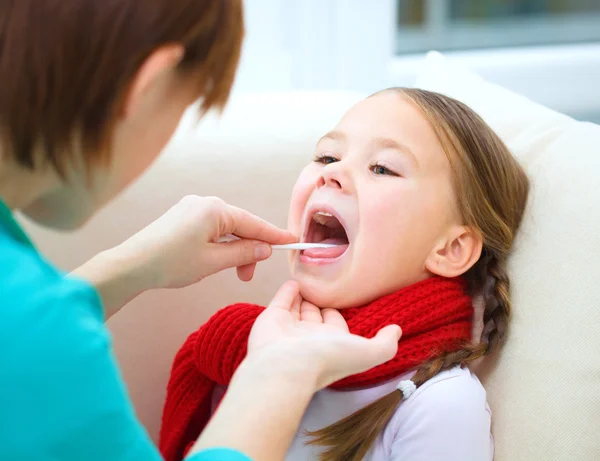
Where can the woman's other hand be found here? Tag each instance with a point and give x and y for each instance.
(298, 337)
(294, 350)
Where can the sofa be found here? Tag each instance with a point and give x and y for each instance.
(543, 387)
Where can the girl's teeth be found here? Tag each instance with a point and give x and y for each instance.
(322, 217)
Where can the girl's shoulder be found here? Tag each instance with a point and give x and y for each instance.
(448, 417)
(458, 384)
(452, 395)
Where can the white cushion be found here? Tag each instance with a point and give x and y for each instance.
(544, 389)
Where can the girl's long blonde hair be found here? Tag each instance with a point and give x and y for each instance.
(491, 189)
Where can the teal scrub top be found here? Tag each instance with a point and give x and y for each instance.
(62, 397)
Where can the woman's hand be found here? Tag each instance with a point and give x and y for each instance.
(294, 350)
(300, 337)
(180, 249)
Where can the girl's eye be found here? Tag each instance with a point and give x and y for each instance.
(381, 170)
(325, 159)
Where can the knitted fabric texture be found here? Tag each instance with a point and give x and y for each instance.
(435, 316)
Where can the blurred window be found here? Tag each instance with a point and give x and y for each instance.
(470, 24)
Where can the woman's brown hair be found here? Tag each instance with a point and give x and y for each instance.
(491, 189)
(65, 65)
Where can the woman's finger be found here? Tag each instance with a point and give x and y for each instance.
(384, 345)
(245, 273)
(295, 311)
(286, 296)
(359, 354)
(310, 313)
(246, 225)
(237, 254)
(333, 317)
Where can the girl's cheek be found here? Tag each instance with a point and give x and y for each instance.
(300, 194)
(383, 220)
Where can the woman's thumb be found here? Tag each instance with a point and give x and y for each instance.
(385, 343)
(240, 253)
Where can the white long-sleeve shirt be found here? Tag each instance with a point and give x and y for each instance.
(446, 419)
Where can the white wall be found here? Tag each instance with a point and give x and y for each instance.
(316, 44)
(349, 44)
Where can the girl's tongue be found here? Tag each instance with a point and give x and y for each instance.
(326, 228)
(328, 253)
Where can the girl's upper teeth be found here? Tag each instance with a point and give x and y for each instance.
(323, 218)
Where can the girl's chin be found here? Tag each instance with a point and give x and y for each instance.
(324, 295)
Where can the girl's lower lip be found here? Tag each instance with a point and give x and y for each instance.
(321, 257)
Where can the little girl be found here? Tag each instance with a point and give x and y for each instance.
(423, 201)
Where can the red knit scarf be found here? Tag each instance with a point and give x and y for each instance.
(435, 315)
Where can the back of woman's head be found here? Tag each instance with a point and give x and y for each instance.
(66, 64)
(491, 190)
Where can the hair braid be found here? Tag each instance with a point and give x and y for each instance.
(496, 315)
(498, 305)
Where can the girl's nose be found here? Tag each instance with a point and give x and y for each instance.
(328, 180)
(336, 176)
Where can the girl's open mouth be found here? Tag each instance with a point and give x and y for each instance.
(324, 227)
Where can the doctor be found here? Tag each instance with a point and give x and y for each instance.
(91, 92)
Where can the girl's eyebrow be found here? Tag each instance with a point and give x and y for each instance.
(334, 136)
(388, 143)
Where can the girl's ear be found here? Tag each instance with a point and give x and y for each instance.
(456, 253)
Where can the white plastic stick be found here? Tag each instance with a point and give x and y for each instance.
(289, 246)
(303, 246)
